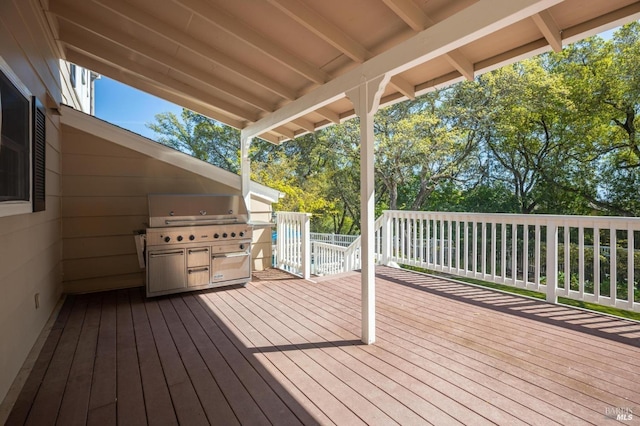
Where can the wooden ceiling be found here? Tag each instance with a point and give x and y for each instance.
(286, 63)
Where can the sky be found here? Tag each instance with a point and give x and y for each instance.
(127, 107)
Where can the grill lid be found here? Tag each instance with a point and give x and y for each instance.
(195, 209)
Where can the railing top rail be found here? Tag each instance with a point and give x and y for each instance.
(334, 247)
(528, 218)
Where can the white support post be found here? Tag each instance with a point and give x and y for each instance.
(366, 99)
(245, 171)
(552, 261)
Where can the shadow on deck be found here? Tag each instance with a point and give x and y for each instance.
(287, 351)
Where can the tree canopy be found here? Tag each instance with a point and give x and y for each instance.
(556, 133)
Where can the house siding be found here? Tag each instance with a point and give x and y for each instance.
(105, 200)
(30, 244)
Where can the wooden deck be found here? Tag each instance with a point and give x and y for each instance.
(287, 351)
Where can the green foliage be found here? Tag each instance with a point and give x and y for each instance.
(552, 134)
(200, 137)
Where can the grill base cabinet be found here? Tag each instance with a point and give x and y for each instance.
(196, 268)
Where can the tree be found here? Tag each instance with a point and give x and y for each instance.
(200, 137)
(420, 145)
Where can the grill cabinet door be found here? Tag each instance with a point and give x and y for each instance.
(166, 270)
(230, 266)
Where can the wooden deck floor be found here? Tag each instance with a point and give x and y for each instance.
(287, 351)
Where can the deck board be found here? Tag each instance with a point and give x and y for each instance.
(286, 351)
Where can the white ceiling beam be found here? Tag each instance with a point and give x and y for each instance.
(403, 86)
(329, 115)
(334, 36)
(322, 28)
(478, 20)
(81, 41)
(149, 86)
(410, 13)
(549, 29)
(208, 53)
(238, 29)
(461, 63)
(284, 132)
(413, 16)
(304, 124)
(127, 42)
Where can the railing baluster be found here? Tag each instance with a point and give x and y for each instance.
(567, 259)
(596, 263)
(630, 266)
(525, 255)
(581, 263)
(538, 249)
(552, 262)
(613, 266)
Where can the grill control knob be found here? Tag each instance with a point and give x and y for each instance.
(241, 246)
(167, 239)
(192, 237)
(242, 233)
(216, 236)
(233, 235)
(224, 235)
(179, 237)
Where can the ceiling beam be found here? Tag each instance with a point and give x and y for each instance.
(410, 13)
(461, 63)
(304, 124)
(413, 16)
(549, 29)
(322, 28)
(81, 40)
(208, 53)
(329, 115)
(334, 36)
(238, 29)
(81, 19)
(478, 20)
(134, 80)
(284, 132)
(403, 86)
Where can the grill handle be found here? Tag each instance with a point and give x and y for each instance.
(201, 221)
(238, 254)
(167, 253)
(191, 251)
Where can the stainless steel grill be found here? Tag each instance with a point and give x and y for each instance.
(196, 241)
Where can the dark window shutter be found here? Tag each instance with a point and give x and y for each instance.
(38, 151)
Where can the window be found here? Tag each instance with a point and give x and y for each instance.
(14, 142)
(72, 75)
(22, 147)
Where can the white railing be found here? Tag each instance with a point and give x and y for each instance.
(334, 258)
(335, 239)
(546, 253)
(587, 258)
(293, 246)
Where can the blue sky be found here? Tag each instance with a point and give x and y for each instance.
(127, 107)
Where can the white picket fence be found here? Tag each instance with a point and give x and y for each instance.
(593, 259)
